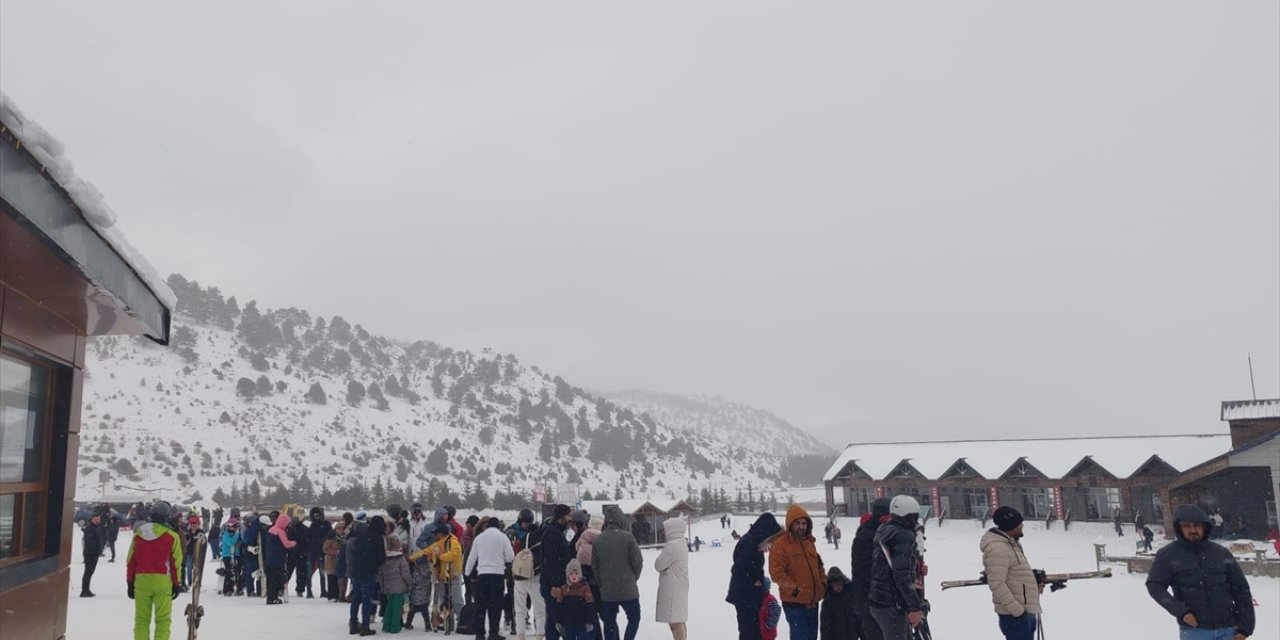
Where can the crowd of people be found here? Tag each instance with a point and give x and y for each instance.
(1199, 583)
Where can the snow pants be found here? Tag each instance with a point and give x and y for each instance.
(392, 618)
(748, 622)
(152, 593)
(529, 591)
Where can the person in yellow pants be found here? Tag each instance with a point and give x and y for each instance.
(152, 570)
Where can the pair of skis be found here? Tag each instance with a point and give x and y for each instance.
(1054, 580)
(195, 611)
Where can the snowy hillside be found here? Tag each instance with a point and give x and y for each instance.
(279, 405)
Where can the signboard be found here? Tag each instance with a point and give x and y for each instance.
(567, 493)
(879, 491)
(539, 493)
(995, 498)
(1057, 502)
(104, 477)
(935, 500)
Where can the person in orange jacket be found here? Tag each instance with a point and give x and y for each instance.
(796, 567)
(152, 567)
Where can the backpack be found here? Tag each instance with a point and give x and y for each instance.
(522, 568)
(468, 618)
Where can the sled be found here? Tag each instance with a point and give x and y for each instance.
(1054, 580)
(195, 611)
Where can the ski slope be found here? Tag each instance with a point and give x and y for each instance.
(1110, 608)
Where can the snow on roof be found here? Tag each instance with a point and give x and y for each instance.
(1121, 456)
(630, 506)
(1250, 409)
(51, 153)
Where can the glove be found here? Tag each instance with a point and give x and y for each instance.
(130, 590)
(177, 591)
(1057, 586)
(251, 549)
(560, 627)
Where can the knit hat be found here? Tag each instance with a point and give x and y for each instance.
(443, 529)
(361, 516)
(596, 523)
(581, 516)
(1007, 518)
(573, 567)
(560, 511)
(266, 520)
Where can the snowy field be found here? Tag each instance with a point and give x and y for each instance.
(1112, 608)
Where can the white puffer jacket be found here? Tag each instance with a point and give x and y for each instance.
(1013, 584)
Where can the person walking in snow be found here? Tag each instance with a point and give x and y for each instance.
(584, 547)
(1014, 588)
(1211, 599)
(111, 524)
(672, 566)
(152, 570)
(860, 575)
(277, 549)
(747, 580)
(616, 560)
(835, 535)
(1147, 537)
(490, 554)
(556, 554)
(895, 601)
(796, 567)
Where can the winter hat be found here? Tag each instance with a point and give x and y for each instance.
(394, 510)
(880, 507)
(596, 523)
(451, 510)
(560, 511)
(266, 520)
(573, 567)
(1007, 518)
(443, 529)
(836, 575)
(361, 516)
(472, 520)
(233, 522)
(581, 516)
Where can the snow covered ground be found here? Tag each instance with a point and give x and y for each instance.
(1113, 608)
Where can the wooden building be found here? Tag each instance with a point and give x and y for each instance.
(65, 274)
(645, 517)
(1048, 479)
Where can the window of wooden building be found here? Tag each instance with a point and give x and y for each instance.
(26, 407)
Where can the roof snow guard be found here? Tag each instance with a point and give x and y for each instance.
(39, 185)
(1250, 409)
(1121, 457)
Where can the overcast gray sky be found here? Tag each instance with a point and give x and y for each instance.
(878, 220)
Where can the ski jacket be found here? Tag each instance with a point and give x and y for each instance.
(1014, 589)
(556, 554)
(155, 548)
(770, 615)
(95, 538)
(748, 562)
(229, 543)
(838, 619)
(615, 559)
(794, 563)
(864, 543)
(1205, 578)
(893, 577)
(445, 555)
(490, 554)
(585, 543)
(393, 574)
(575, 609)
(317, 533)
(297, 532)
(416, 527)
(367, 551)
(672, 566)
(280, 529)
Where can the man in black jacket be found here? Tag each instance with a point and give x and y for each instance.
(860, 580)
(94, 539)
(1210, 592)
(317, 533)
(555, 557)
(895, 603)
(368, 552)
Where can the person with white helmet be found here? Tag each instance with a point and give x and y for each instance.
(896, 603)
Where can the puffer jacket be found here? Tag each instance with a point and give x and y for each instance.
(585, 542)
(893, 578)
(1014, 589)
(556, 554)
(394, 575)
(794, 563)
(748, 563)
(616, 559)
(1207, 582)
(444, 556)
(864, 542)
(838, 619)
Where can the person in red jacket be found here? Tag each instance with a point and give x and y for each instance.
(152, 571)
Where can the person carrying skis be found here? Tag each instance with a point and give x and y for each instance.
(796, 567)
(860, 577)
(1015, 591)
(152, 570)
(894, 600)
(1211, 598)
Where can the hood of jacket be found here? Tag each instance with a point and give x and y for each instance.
(675, 528)
(282, 523)
(764, 527)
(835, 575)
(572, 567)
(1191, 513)
(796, 512)
(151, 530)
(614, 518)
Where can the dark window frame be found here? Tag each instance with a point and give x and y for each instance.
(41, 489)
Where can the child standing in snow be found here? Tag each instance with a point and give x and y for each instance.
(770, 612)
(420, 594)
(393, 581)
(575, 617)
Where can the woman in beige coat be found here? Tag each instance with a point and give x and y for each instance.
(673, 579)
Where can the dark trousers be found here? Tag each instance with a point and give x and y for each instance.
(331, 586)
(363, 591)
(250, 568)
(90, 565)
(276, 579)
(552, 610)
(867, 626)
(231, 575)
(609, 619)
(111, 546)
(315, 564)
(1022, 627)
(489, 592)
(802, 620)
(893, 623)
(748, 622)
(215, 546)
(303, 579)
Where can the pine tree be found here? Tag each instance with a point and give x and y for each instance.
(316, 395)
(438, 461)
(355, 393)
(263, 386)
(245, 388)
(220, 497)
(378, 494)
(255, 492)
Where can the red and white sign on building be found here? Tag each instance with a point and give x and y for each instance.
(995, 498)
(879, 491)
(935, 501)
(1057, 503)
(539, 493)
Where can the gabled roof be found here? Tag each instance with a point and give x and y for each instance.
(1250, 409)
(1055, 457)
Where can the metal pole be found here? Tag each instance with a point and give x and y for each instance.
(1251, 384)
